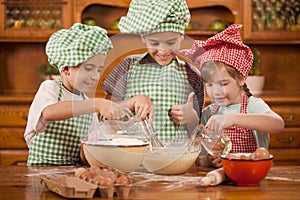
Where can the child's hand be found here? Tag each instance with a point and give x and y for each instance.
(219, 122)
(110, 110)
(184, 114)
(214, 161)
(142, 106)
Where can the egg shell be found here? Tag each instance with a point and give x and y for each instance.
(106, 182)
(113, 176)
(95, 170)
(260, 153)
(97, 179)
(122, 180)
(86, 175)
(79, 171)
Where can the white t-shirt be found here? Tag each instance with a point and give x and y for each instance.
(46, 95)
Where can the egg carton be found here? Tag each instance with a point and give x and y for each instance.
(73, 187)
(117, 190)
(67, 186)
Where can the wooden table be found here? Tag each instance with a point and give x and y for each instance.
(282, 182)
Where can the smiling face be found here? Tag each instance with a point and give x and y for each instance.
(222, 86)
(163, 47)
(84, 77)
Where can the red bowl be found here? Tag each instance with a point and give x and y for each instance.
(246, 172)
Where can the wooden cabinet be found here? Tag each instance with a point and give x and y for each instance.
(271, 21)
(285, 146)
(13, 118)
(35, 20)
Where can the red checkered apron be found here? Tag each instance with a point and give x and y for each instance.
(242, 139)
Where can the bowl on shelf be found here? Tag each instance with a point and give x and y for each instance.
(175, 158)
(122, 153)
(246, 172)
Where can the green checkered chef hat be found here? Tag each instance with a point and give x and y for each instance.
(71, 47)
(153, 16)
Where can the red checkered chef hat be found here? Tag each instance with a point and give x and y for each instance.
(226, 46)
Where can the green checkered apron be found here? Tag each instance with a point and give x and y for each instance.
(166, 86)
(60, 143)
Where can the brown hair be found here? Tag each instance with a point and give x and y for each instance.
(209, 69)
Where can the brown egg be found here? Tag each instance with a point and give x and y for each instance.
(88, 176)
(79, 171)
(260, 153)
(95, 170)
(84, 175)
(122, 180)
(112, 176)
(105, 173)
(106, 182)
(97, 179)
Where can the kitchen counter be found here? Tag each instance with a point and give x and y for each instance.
(282, 182)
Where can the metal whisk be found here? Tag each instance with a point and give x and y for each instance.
(154, 141)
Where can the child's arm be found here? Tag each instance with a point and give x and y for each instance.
(268, 122)
(67, 109)
(62, 110)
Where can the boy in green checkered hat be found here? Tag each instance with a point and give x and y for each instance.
(61, 114)
(173, 85)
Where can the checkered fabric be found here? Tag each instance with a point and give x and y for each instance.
(60, 143)
(242, 139)
(153, 16)
(71, 47)
(116, 81)
(226, 46)
(166, 86)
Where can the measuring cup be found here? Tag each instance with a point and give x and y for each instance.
(214, 142)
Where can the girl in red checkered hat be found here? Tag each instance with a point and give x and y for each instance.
(224, 65)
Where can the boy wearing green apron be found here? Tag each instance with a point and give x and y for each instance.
(173, 85)
(61, 114)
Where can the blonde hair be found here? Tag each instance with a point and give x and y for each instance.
(210, 69)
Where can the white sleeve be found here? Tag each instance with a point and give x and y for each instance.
(257, 105)
(47, 94)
